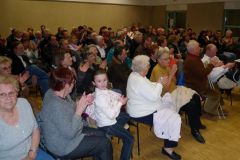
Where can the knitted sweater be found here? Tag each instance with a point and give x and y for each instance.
(61, 128)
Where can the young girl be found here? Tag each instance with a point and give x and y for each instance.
(107, 113)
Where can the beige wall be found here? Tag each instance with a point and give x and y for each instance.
(205, 16)
(24, 13)
(158, 16)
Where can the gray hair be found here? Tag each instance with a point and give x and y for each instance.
(229, 31)
(139, 63)
(192, 44)
(120, 34)
(98, 38)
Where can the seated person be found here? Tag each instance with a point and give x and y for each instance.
(86, 70)
(111, 53)
(107, 111)
(220, 69)
(62, 125)
(118, 70)
(5, 69)
(153, 58)
(196, 78)
(63, 58)
(144, 99)
(20, 64)
(19, 134)
(190, 103)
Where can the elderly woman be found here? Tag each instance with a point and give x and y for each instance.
(5, 69)
(192, 106)
(19, 134)
(62, 125)
(144, 99)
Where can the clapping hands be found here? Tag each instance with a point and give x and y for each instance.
(83, 102)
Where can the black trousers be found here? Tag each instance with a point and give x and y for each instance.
(94, 144)
(193, 110)
(149, 121)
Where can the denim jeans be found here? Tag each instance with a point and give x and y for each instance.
(118, 130)
(43, 155)
(42, 77)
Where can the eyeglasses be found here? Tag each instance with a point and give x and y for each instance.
(9, 94)
(6, 68)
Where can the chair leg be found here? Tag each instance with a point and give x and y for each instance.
(220, 112)
(138, 139)
(135, 124)
(186, 118)
(231, 98)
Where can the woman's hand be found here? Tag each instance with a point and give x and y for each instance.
(84, 67)
(31, 155)
(90, 98)
(82, 103)
(163, 80)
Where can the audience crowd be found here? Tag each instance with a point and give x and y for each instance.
(94, 83)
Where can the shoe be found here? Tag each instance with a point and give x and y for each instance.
(202, 126)
(197, 135)
(173, 156)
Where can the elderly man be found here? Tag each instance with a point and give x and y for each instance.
(21, 64)
(220, 69)
(196, 78)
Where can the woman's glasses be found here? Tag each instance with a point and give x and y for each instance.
(9, 94)
(6, 68)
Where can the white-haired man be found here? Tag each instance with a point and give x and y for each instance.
(196, 78)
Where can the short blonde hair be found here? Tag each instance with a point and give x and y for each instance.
(139, 63)
(10, 79)
(161, 52)
(4, 60)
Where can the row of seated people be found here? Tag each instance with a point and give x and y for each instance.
(43, 44)
(119, 65)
